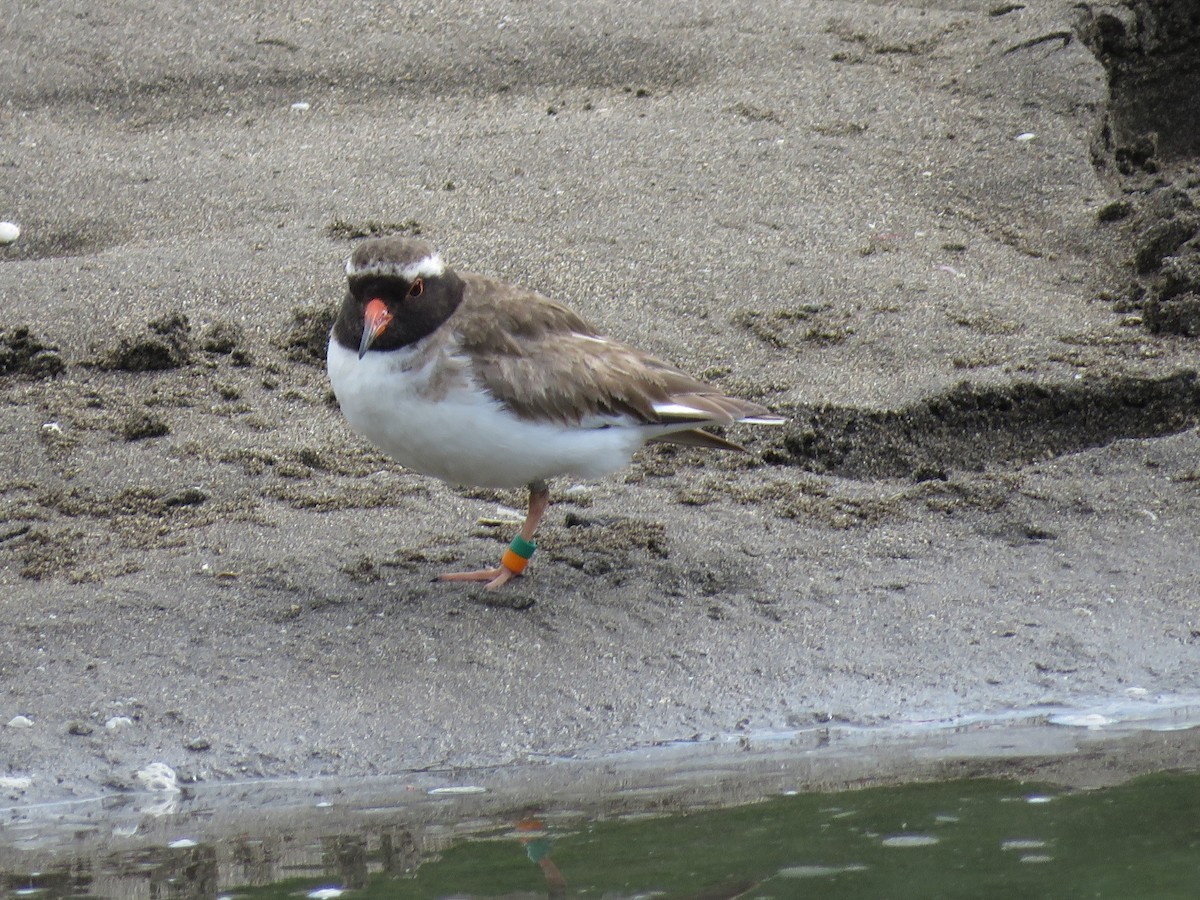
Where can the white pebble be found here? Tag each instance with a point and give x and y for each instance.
(1081, 720)
(1022, 844)
(1025, 136)
(20, 722)
(301, 106)
(457, 789)
(9, 232)
(158, 777)
(118, 722)
(181, 844)
(508, 514)
(909, 840)
(818, 871)
(326, 893)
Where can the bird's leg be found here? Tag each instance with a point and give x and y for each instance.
(539, 499)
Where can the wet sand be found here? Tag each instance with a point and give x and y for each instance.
(932, 235)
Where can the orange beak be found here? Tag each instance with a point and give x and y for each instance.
(374, 321)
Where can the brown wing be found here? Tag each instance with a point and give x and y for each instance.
(544, 361)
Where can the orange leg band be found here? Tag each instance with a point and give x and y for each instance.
(516, 557)
(512, 562)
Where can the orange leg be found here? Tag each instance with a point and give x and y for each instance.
(539, 499)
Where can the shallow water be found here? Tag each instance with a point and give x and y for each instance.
(1055, 807)
(963, 838)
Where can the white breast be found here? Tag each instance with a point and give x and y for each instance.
(454, 431)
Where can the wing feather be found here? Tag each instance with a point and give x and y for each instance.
(543, 361)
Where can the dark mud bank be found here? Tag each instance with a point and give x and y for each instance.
(1147, 145)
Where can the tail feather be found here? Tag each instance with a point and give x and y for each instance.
(763, 420)
(714, 408)
(695, 437)
(708, 408)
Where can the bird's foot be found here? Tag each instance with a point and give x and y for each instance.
(516, 557)
(497, 577)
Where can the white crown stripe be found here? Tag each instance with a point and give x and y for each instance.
(427, 267)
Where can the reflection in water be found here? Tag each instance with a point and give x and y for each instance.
(347, 855)
(533, 835)
(949, 839)
(398, 851)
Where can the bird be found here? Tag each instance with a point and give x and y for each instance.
(480, 382)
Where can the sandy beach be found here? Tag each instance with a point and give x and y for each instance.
(955, 243)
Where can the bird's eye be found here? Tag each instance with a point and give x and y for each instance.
(417, 288)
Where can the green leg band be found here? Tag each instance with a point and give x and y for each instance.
(522, 547)
(516, 557)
